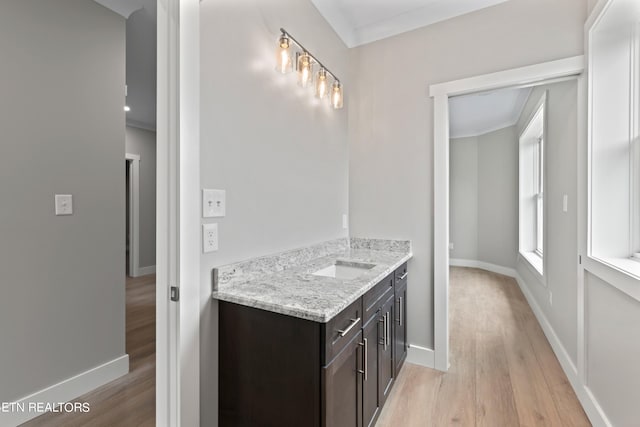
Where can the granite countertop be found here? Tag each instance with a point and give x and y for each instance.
(284, 283)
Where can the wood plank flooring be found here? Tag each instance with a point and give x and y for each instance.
(503, 371)
(128, 401)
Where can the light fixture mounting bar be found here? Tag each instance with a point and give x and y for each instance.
(286, 33)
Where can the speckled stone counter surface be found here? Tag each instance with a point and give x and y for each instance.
(284, 283)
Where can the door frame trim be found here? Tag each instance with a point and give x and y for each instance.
(133, 163)
(516, 77)
(178, 208)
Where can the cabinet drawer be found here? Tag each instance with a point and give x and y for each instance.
(338, 332)
(401, 274)
(373, 299)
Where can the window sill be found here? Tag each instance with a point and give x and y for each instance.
(626, 266)
(621, 273)
(535, 264)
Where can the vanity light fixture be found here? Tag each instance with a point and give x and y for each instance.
(322, 84)
(304, 66)
(336, 95)
(283, 55)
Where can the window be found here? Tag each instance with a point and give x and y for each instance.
(614, 141)
(531, 189)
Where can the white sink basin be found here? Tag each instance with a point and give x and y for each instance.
(343, 270)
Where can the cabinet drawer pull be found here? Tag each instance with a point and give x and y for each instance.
(344, 332)
(404, 276)
(400, 319)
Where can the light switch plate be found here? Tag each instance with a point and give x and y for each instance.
(209, 238)
(565, 203)
(214, 203)
(64, 204)
(345, 221)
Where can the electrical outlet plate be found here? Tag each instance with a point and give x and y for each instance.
(213, 203)
(209, 238)
(64, 204)
(345, 221)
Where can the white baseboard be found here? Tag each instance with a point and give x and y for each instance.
(421, 356)
(454, 262)
(67, 390)
(143, 271)
(591, 406)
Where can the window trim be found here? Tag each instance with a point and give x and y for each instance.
(619, 268)
(539, 167)
(534, 258)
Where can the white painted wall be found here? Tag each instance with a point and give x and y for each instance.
(484, 197)
(281, 157)
(61, 113)
(391, 118)
(561, 238)
(143, 143)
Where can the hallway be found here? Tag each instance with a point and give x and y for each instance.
(503, 371)
(129, 400)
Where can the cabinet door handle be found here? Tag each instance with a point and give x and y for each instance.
(386, 330)
(388, 327)
(404, 276)
(401, 313)
(344, 332)
(365, 356)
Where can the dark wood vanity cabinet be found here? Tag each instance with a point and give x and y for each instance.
(278, 370)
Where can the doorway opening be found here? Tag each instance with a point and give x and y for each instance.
(519, 77)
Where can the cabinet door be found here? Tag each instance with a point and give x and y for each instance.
(400, 328)
(342, 387)
(370, 396)
(385, 351)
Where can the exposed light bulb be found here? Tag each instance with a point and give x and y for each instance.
(337, 98)
(284, 63)
(127, 108)
(305, 69)
(322, 85)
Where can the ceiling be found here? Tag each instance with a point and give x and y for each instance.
(359, 22)
(480, 113)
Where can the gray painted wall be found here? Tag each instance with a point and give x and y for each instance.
(463, 198)
(281, 157)
(391, 118)
(62, 311)
(612, 349)
(498, 197)
(561, 238)
(143, 143)
(484, 197)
